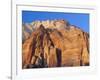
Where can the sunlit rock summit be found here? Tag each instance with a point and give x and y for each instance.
(54, 43)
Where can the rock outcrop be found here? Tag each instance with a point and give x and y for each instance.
(54, 44)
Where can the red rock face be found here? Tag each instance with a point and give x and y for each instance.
(56, 47)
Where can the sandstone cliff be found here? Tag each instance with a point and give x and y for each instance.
(54, 44)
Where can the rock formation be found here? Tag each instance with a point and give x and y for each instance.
(54, 44)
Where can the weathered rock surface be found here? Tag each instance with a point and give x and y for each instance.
(55, 44)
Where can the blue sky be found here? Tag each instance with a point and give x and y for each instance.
(78, 19)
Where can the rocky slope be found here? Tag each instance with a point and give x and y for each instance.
(54, 44)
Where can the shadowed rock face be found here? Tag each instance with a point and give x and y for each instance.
(55, 44)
